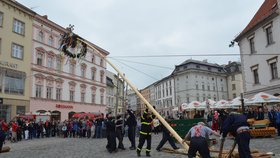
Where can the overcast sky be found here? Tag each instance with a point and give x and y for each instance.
(153, 27)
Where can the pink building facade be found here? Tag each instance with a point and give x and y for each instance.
(60, 85)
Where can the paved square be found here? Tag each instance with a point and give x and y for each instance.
(84, 148)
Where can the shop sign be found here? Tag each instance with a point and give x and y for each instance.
(8, 64)
(61, 106)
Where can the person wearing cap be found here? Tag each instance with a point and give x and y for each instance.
(145, 133)
(198, 135)
(237, 125)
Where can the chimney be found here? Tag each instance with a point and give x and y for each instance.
(45, 16)
(205, 61)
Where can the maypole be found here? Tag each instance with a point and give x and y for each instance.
(162, 120)
(72, 41)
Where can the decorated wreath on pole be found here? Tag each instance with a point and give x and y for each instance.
(71, 44)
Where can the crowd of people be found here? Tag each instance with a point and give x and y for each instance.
(28, 129)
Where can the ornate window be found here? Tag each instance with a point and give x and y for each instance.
(58, 64)
(72, 95)
(50, 41)
(93, 98)
(101, 76)
(40, 59)
(72, 85)
(93, 71)
(58, 93)
(83, 69)
(39, 80)
(49, 92)
(72, 66)
(39, 89)
(41, 36)
(50, 62)
(59, 83)
(83, 97)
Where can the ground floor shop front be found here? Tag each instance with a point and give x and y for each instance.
(60, 110)
(9, 108)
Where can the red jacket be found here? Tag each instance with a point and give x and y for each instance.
(14, 127)
(5, 126)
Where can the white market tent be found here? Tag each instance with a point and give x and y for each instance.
(222, 104)
(236, 102)
(193, 105)
(211, 103)
(262, 98)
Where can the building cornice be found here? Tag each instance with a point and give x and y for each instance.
(70, 78)
(20, 7)
(64, 101)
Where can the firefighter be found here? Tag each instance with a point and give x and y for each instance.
(145, 133)
(237, 125)
(198, 135)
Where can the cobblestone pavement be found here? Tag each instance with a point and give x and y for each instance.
(83, 148)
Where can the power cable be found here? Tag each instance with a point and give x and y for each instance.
(164, 67)
(182, 55)
(137, 70)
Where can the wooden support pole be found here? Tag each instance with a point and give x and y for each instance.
(162, 120)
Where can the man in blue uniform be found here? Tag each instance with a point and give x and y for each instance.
(198, 135)
(237, 125)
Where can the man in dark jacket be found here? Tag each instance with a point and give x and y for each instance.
(119, 131)
(145, 133)
(166, 136)
(272, 117)
(111, 133)
(131, 123)
(237, 125)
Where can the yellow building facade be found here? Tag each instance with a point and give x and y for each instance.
(15, 58)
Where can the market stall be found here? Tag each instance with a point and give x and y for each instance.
(261, 127)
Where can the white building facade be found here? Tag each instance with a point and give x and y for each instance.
(165, 96)
(60, 85)
(132, 100)
(259, 46)
(199, 80)
(116, 91)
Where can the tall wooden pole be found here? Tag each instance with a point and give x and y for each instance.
(117, 98)
(162, 120)
(123, 107)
